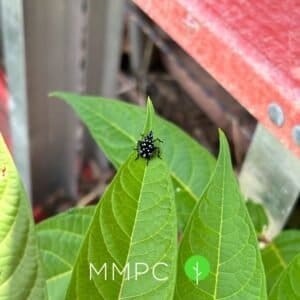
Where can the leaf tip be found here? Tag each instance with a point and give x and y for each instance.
(224, 149)
(150, 107)
(221, 133)
(222, 139)
(56, 94)
(149, 116)
(65, 96)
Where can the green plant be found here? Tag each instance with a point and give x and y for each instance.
(258, 216)
(137, 223)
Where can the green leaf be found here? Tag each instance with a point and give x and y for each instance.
(258, 216)
(20, 269)
(134, 222)
(279, 253)
(221, 230)
(287, 287)
(60, 238)
(116, 127)
(149, 117)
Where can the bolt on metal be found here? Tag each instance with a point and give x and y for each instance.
(276, 114)
(296, 134)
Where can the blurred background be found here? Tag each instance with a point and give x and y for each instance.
(106, 48)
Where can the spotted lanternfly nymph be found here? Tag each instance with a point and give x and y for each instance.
(146, 147)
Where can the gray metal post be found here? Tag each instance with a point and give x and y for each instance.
(53, 31)
(105, 28)
(270, 175)
(12, 25)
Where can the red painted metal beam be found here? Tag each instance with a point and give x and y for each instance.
(252, 48)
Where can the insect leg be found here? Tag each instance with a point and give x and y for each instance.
(138, 152)
(158, 153)
(137, 145)
(158, 140)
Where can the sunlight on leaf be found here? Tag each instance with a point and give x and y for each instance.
(20, 269)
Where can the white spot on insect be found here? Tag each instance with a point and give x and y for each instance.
(178, 189)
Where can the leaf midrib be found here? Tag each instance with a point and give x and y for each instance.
(279, 256)
(132, 232)
(60, 275)
(59, 258)
(220, 231)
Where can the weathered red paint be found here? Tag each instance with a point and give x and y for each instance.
(251, 47)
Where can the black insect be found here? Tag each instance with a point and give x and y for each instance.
(146, 147)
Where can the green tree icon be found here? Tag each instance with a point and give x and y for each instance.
(197, 268)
